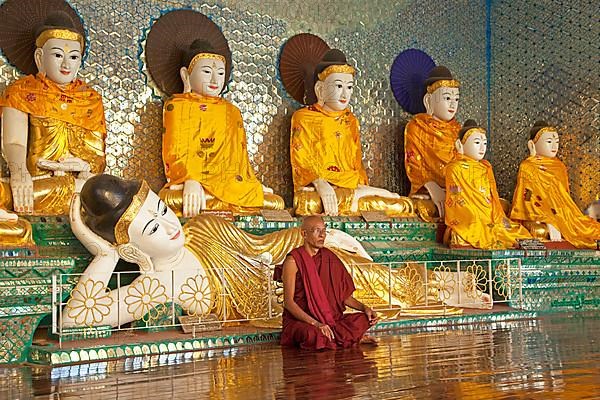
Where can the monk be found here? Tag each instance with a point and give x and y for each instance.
(542, 194)
(316, 291)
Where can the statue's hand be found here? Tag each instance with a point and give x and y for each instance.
(438, 196)
(364, 191)
(67, 164)
(5, 216)
(531, 147)
(96, 245)
(194, 198)
(459, 147)
(327, 195)
(21, 186)
(555, 234)
(267, 189)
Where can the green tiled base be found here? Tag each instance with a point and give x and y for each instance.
(16, 336)
(88, 332)
(51, 355)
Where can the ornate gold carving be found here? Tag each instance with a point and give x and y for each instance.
(89, 303)
(333, 69)
(451, 83)
(145, 298)
(446, 282)
(122, 226)
(196, 296)
(474, 281)
(64, 34)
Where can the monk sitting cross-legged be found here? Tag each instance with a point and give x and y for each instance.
(317, 289)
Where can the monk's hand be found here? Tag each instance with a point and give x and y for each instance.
(438, 196)
(371, 315)
(326, 330)
(327, 195)
(194, 198)
(21, 186)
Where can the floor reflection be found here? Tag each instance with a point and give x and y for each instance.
(556, 357)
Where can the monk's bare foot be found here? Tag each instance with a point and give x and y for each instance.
(370, 340)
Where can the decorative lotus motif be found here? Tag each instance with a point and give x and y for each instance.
(446, 281)
(89, 303)
(145, 298)
(196, 296)
(474, 281)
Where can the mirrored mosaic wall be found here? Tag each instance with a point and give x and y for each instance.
(545, 57)
(372, 34)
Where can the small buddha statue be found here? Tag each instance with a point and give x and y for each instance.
(326, 153)
(542, 196)
(474, 214)
(429, 139)
(53, 125)
(204, 144)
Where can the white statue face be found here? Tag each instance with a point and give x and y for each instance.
(208, 77)
(444, 103)
(59, 59)
(156, 230)
(335, 91)
(475, 146)
(547, 144)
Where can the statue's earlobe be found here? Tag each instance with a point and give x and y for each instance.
(319, 93)
(531, 147)
(185, 78)
(459, 147)
(427, 103)
(131, 253)
(37, 56)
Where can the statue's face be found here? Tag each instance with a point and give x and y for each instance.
(335, 91)
(547, 144)
(475, 146)
(156, 230)
(60, 60)
(444, 103)
(208, 77)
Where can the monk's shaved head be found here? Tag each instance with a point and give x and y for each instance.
(311, 221)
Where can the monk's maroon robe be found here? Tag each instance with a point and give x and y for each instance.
(322, 285)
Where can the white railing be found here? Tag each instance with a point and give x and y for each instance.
(237, 295)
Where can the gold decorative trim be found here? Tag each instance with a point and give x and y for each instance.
(122, 226)
(451, 83)
(539, 133)
(333, 69)
(211, 56)
(470, 132)
(64, 34)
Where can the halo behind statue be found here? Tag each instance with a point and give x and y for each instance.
(168, 40)
(407, 79)
(297, 61)
(20, 21)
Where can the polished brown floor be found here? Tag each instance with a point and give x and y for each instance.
(556, 357)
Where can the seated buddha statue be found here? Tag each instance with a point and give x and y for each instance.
(207, 266)
(474, 215)
(429, 139)
(204, 144)
(542, 194)
(326, 153)
(53, 125)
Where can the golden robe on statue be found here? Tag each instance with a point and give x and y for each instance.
(230, 257)
(542, 195)
(63, 122)
(474, 214)
(326, 144)
(428, 148)
(205, 141)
